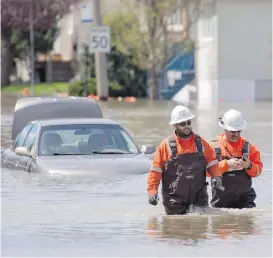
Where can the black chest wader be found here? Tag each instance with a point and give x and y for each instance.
(237, 183)
(184, 179)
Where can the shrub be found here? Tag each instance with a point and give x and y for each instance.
(77, 89)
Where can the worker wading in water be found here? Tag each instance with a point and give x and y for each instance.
(181, 162)
(239, 162)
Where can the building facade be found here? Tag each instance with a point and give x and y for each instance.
(233, 55)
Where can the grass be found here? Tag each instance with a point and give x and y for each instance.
(40, 88)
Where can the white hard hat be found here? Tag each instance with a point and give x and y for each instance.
(180, 114)
(232, 121)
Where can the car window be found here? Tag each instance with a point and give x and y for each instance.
(84, 139)
(22, 136)
(31, 137)
(128, 142)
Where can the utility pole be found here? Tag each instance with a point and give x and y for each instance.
(32, 57)
(100, 58)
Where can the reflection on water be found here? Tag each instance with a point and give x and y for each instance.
(235, 226)
(189, 229)
(192, 229)
(66, 215)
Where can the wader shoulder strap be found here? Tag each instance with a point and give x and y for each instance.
(217, 149)
(246, 147)
(199, 145)
(171, 143)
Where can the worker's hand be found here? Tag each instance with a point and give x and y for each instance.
(244, 163)
(153, 199)
(216, 182)
(234, 164)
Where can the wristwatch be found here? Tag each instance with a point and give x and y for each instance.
(249, 167)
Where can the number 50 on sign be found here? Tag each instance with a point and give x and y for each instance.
(100, 39)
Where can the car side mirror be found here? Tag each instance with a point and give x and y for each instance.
(148, 149)
(23, 151)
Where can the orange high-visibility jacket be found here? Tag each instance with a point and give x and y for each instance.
(163, 155)
(234, 149)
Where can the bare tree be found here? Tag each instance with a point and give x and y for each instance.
(151, 21)
(142, 31)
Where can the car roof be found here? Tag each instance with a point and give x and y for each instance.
(67, 121)
(27, 101)
(46, 108)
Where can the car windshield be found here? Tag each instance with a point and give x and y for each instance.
(85, 139)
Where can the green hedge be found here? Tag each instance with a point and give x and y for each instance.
(77, 89)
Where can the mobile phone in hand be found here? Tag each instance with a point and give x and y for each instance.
(245, 155)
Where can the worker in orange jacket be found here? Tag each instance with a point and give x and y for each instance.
(239, 161)
(181, 162)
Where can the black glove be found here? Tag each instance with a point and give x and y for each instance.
(153, 199)
(216, 182)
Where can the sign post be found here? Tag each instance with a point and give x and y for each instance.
(100, 44)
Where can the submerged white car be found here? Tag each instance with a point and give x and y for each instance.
(59, 143)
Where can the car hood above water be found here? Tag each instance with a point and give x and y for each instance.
(97, 163)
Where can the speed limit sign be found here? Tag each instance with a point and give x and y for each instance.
(100, 39)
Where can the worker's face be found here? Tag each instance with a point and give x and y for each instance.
(232, 136)
(184, 129)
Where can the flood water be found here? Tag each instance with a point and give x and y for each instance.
(51, 215)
